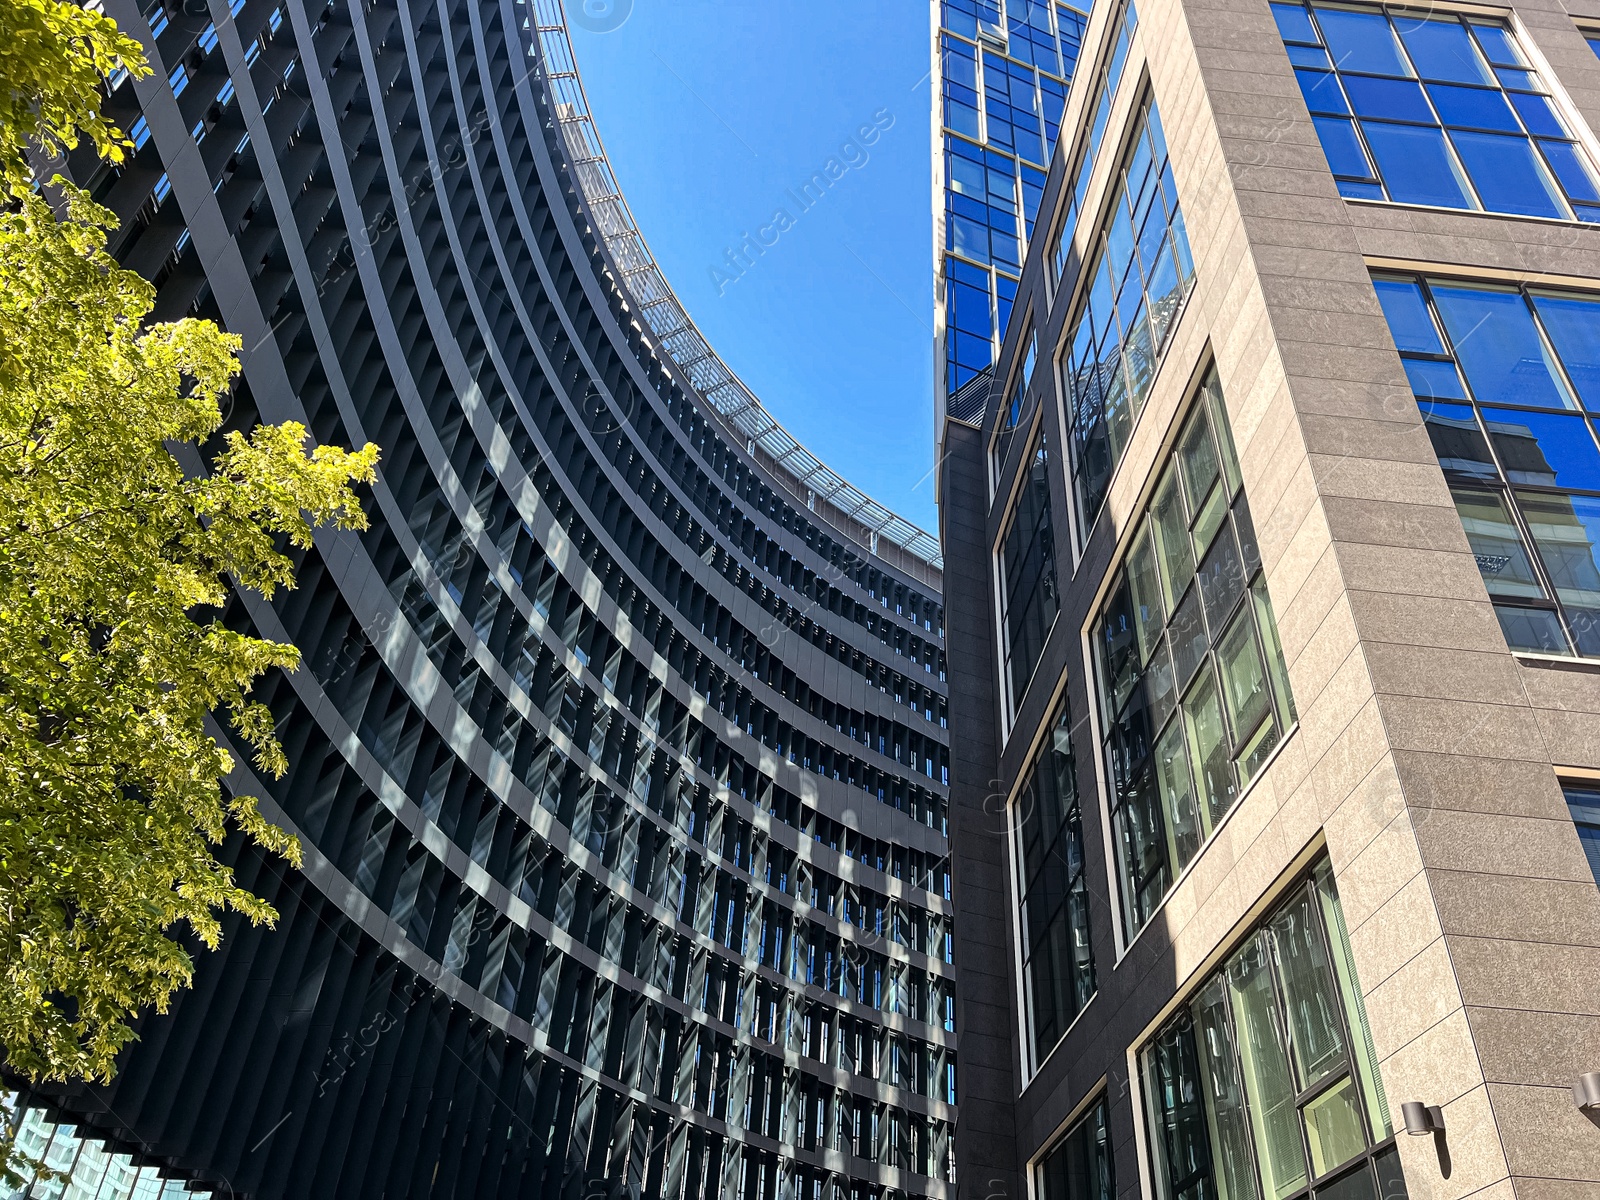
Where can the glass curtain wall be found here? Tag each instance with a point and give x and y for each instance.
(1005, 67)
(1193, 692)
(1140, 271)
(1029, 597)
(1265, 1085)
(1438, 109)
(1057, 962)
(1012, 417)
(1078, 1167)
(1508, 381)
(1127, 22)
(77, 1167)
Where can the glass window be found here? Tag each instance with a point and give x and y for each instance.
(1027, 565)
(1265, 1085)
(1012, 416)
(1193, 691)
(1449, 112)
(1114, 345)
(1078, 1167)
(1515, 436)
(1583, 800)
(1100, 104)
(1057, 963)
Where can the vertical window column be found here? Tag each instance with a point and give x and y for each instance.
(1265, 1085)
(1053, 923)
(1026, 561)
(1194, 695)
(1139, 272)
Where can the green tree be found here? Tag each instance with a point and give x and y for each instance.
(114, 566)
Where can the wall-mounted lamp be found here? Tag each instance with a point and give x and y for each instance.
(1422, 1118)
(1586, 1092)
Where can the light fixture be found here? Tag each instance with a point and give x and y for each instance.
(1586, 1092)
(1422, 1118)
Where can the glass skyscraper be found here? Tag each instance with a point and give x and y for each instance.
(618, 754)
(1001, 76)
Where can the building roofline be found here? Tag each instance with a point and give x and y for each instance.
(674, 331)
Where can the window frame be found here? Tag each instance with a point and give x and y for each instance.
(1250, 602)
(1141, 112)
(1037, 438)
(1034, 1055)
(1583, 804)
(1315, 887)
(1537, 82)
(1500, 485)
(1096, 1108)
(1010, 420)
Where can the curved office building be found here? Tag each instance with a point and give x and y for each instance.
(618, 752)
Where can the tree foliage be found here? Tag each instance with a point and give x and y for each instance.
(53, 60)
(114, 566)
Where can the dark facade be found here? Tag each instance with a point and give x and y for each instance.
(618, 753)
(1272, 567)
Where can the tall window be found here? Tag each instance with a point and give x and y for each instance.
(1057, 965)
(1104, 89)
(1584, 802)
(1435, 109)
(1265, 1085)
(1078, 1167)
(1012, 416)
(1508, 380)
(1139, 275)
(1193, 691)
(1027, 562)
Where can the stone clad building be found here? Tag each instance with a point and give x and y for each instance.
(1272, 588)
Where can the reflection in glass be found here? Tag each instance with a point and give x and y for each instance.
(1566, 529)
(1140, 273)
(1537, 474)
(1029, 599)
(1265, 1080)
(1192, 665)
(1499, 348)
(1544, 449)
(1226, 1115)
(1496, 543)
(1078, 1167)
(1333, 1127)
(1264, 1062)
(1450, 113)
(1058, 965)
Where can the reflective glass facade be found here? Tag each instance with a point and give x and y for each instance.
(1139, 272)
(1126, 24)
(1078, 1167)
(619, 770)
(1508, 380)
(1265, 1086)
(1004, 67)
(1053, 913)
(1193, 692)
(77, 1168)
(1435, 109)
(1029, 594)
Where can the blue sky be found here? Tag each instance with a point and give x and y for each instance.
(715, 114)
